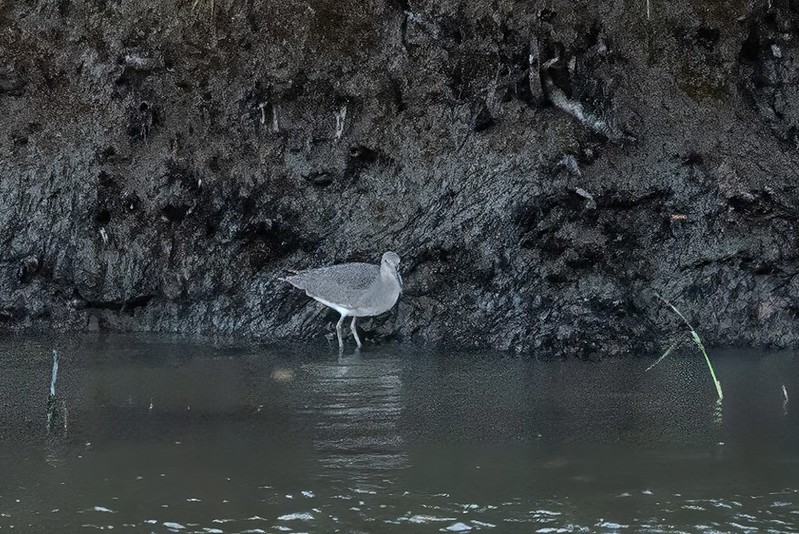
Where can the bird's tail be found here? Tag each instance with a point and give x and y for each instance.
(291, 272)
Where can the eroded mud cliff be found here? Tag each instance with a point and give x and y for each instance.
(541, 168)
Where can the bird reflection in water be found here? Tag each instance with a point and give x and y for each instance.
(357, 407)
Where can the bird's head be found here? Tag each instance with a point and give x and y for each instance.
(391, 261)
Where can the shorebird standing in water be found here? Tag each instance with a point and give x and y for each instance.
(353, 289)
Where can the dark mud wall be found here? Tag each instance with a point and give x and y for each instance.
(542, 168)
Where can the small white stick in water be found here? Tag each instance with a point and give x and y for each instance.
(51, 398)
(785, 400)
(54, 376)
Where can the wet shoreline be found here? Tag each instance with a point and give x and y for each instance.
(395, 439)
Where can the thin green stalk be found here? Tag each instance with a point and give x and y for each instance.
(699, 344)
(709, 365)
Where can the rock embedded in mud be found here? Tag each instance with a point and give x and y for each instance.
(28, 268)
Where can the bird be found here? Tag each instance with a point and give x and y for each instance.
(353, 289)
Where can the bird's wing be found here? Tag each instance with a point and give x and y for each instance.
(338, 284)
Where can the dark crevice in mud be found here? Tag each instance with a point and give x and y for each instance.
(763, 204)
(28, 268)
(320, 178)
(180, 173)
(363, 156)
(708, 38)
(397, 97)
(126, 305)
(102, 216)
(481, 117)
(12, 314)
(174, 213)
(11, 85)
(143, 120)
(265, 241)
(622, 200)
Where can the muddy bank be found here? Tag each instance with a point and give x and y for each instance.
(541, 169)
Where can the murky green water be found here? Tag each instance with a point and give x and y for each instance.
(172, 436)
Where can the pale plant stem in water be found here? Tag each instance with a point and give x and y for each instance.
(699, 344)
(54, 375)
(785, 400)
(668, 351)
(51, 398)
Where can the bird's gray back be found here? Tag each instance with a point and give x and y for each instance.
(343, 284)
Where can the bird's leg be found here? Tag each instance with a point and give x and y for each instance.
(355, 332)
(338, 332)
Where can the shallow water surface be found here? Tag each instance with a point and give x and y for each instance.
(160, 435)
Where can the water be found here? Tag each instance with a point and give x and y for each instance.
(172, 436)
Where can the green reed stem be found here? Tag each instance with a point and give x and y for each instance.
(699, 344)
